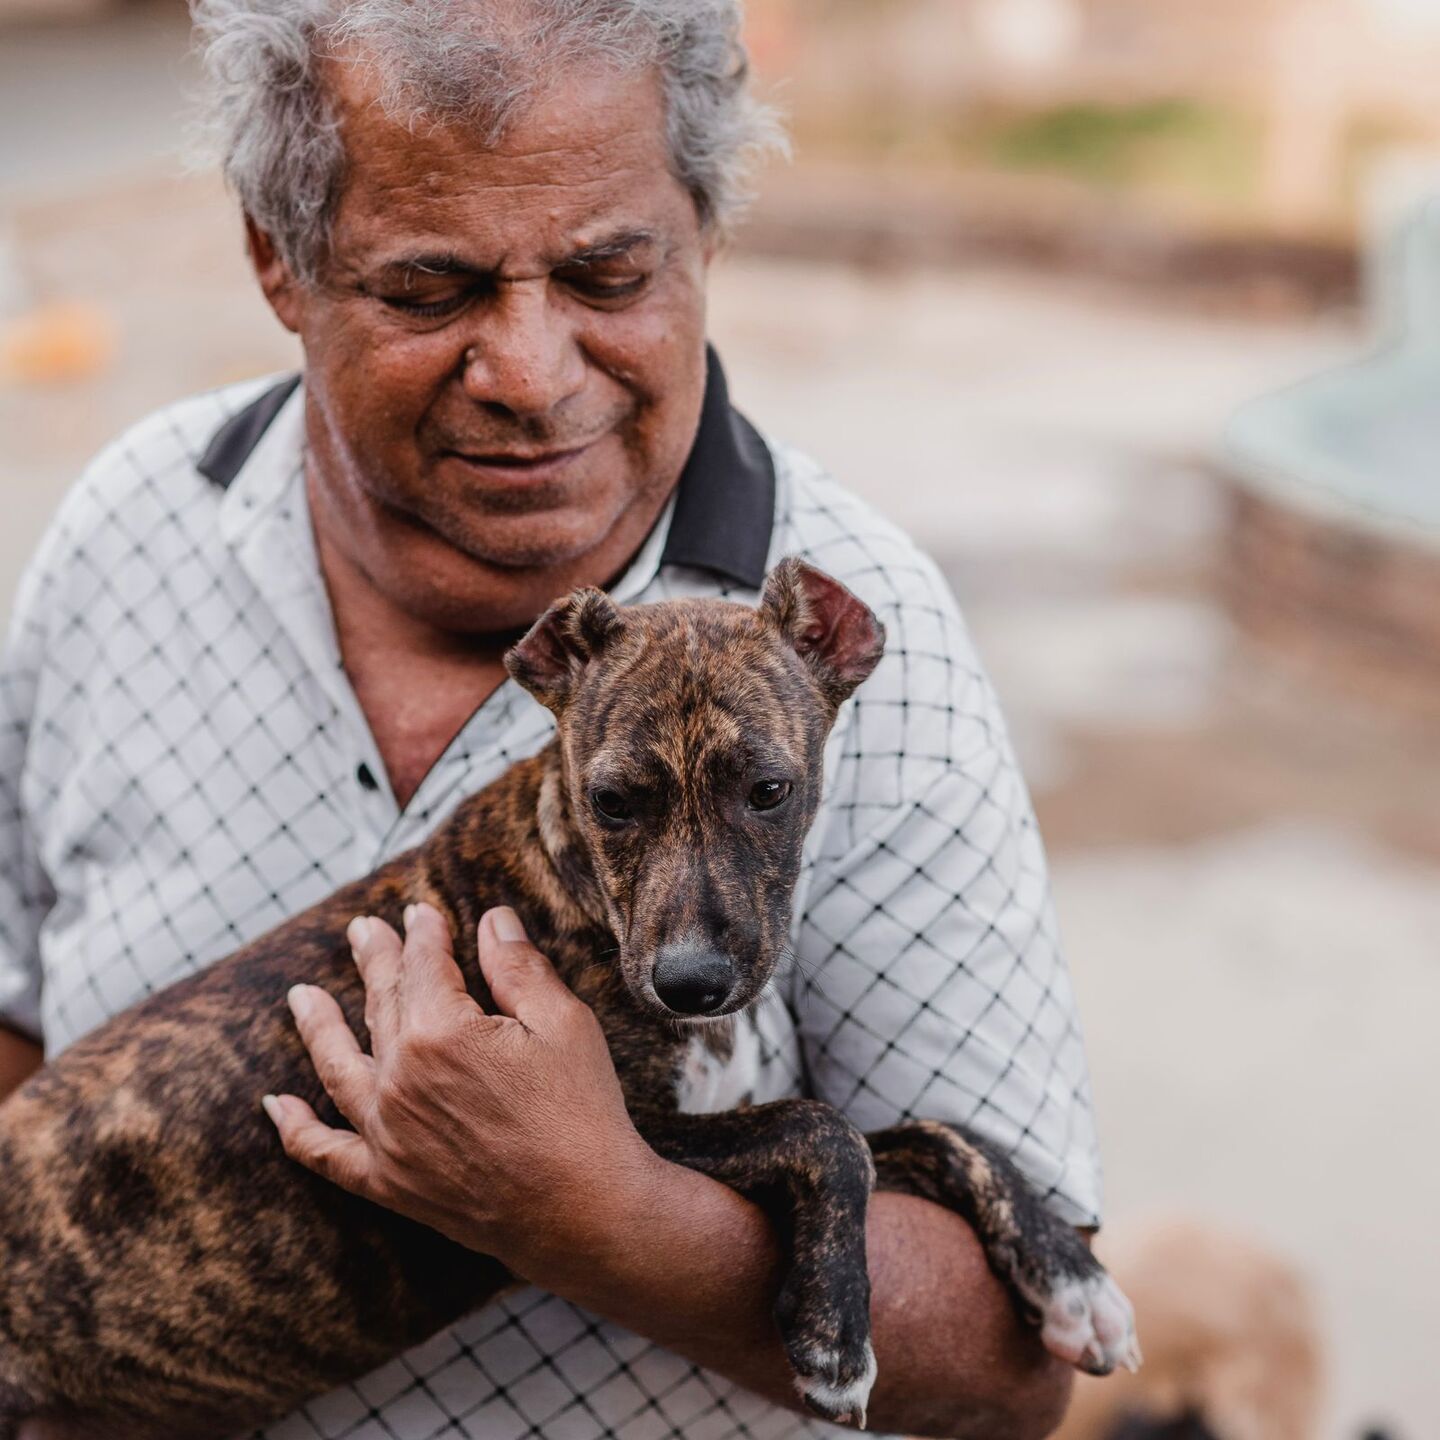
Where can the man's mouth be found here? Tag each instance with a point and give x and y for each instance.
(521, 464)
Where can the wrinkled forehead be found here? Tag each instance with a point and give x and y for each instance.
(582, 159)
(692, 692)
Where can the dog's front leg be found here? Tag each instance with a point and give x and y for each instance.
(809, 1169)
(1082, 1315)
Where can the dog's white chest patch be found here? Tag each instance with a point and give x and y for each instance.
(709, 1082)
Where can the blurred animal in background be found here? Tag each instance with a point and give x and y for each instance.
(1232, 1343)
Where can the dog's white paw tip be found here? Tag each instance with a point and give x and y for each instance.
(843, 1402)
(1090, 1324)
(1132, 1359)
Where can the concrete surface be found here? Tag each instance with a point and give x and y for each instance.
(80, 103)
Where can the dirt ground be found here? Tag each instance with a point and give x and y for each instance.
(1245, 851)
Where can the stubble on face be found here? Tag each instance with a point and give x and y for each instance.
(504, 352)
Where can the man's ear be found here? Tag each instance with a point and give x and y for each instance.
(279, 285)
(835, 633)
(561, 643)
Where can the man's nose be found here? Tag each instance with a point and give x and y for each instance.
(524, 357)
(691, 980)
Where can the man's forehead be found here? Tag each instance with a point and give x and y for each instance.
(570, 178)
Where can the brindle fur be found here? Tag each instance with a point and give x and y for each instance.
(165, 1271)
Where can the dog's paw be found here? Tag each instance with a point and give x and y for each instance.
(1087, 1321)
(836, 1383)
(824, 1320)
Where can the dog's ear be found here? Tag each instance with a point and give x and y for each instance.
(571, 633)
(835, 633)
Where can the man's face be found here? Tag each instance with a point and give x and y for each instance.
(505, 349)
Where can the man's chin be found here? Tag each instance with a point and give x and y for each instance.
(520, 549)
(508, 542)
(495, 580)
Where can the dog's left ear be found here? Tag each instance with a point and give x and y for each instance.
(562, 642)
(834, 632)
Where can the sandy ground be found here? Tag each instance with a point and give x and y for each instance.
(1245, 853)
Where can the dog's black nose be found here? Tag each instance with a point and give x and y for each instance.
(692, 981)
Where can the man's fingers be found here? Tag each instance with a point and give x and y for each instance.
(377, 950)
(346, 1072)
(431, 982)
(336, 1155)
(521, 979)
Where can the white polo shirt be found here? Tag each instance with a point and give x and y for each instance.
(183, 765)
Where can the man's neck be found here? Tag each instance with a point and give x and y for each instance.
(418, 682)
(417, 685)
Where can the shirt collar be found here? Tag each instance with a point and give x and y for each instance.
(720, 516)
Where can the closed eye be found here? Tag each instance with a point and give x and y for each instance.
(428, 309)
(590, 286)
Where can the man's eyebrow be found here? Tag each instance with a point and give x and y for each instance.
(614, 247)
(447, 262)
(440, 262)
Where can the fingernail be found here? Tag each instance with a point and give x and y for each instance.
(506, 924)
(409, 916)
(357, 932)
(299, 999)
(271, 1105)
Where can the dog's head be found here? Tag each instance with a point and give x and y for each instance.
(691, 735)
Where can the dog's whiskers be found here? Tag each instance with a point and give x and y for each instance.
(790, 956)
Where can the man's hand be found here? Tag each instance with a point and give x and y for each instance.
(505, 1131)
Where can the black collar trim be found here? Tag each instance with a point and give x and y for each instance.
(234, 442)
(724, 503)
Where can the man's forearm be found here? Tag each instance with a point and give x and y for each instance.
(20, 1058)
(690, 1264)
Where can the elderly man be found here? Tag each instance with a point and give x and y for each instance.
(259, 653)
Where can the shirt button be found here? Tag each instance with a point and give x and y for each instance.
(366, 776)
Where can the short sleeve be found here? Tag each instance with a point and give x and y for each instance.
(25, 893)
(929, 980)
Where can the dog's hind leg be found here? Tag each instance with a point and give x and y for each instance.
(809, 1169)
(1083, 1316)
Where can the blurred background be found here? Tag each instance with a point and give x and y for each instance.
(1130, 311)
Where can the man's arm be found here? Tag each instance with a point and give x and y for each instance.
(509, 1134)
(694, 1267)
(20, 1058)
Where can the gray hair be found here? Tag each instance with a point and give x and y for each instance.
(473, 62)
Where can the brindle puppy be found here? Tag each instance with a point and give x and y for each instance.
(163, 1270)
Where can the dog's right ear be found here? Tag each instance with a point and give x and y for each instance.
(550, 659)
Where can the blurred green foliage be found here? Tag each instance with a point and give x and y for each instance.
(1179, 141)
(1201, 156)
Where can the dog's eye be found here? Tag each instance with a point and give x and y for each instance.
(611, 806)
(770, 793)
